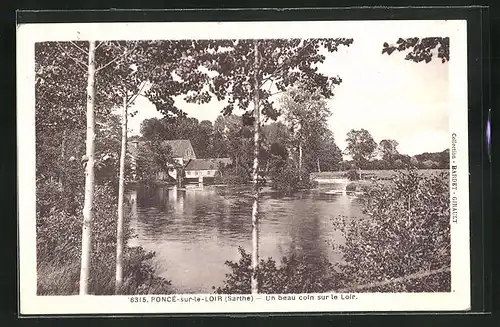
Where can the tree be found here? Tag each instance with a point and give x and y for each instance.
(153, 157)
(329, 154)
(202, 140)
(388, 149)
(89, 173)
(277, 133)
(421, 49)
(246, 71)
(117, 73)
(135, 65)
(106, 67)
(237, 139)
(360, 145)
(306, 114)
(116, 81)
(75, 54)
(128, 87)
(154, 128)
(184, 128)
(60, 105)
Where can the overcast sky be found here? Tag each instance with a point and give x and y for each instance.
(390, 97)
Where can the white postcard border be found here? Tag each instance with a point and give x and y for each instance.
(28, 34)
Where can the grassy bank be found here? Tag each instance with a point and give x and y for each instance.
(366, 174)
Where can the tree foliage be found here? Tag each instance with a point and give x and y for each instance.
(294, 275)
(421, 49)
(153, 157)
(388, 149)
(306, 115)
(406, 230)
(281, 63)
(59, 240)
(360, 145)
(123, 68)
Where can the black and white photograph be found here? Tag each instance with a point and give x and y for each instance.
(243, 167)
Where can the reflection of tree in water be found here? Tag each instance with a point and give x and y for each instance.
(305, 232)
(238, 212)
(151, 196)
(151, 208)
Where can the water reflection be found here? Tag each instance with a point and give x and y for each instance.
(194, 231)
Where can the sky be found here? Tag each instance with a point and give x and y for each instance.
(390, 97)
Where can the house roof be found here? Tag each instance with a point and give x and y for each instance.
(179, 148)
(206, 164)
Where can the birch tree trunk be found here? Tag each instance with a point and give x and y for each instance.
(89, 175)
(255, 208)
(300, 160)
(121, 191)
(63, 155)
(319, 168)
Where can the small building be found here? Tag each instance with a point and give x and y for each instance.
(204, 168)
(182, 152)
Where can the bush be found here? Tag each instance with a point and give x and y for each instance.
(294, 275)
(59, 247)
(352, 174)
(286, 178)
(406, 231)
(232, 176)
(351, 187)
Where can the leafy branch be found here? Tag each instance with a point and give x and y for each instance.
(78, 62)
(117, 58)
(79, 48)
(283, 63)
(421, 49)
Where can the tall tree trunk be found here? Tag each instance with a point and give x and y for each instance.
(121, 191)
(319, 168)
(255, 208)
(89, 175)
(300, 160)
(62, 172)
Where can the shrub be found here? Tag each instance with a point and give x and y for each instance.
(294, 275)
(352, 174)
(351, 187)
(59, 246)
(232, 176)
(406, 231)
(287, 179)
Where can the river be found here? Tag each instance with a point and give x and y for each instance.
(194, 231)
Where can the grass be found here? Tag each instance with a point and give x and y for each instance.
(58, 279)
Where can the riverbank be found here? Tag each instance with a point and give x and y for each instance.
(387, 174)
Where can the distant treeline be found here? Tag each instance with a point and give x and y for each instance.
(228, 136)
(426, 160)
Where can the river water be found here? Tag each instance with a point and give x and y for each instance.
(194, 231)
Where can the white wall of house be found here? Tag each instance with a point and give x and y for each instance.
(198, 173)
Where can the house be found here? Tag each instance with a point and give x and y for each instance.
(182, 152)
(196, 169)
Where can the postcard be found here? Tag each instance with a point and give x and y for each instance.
(242, 167)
